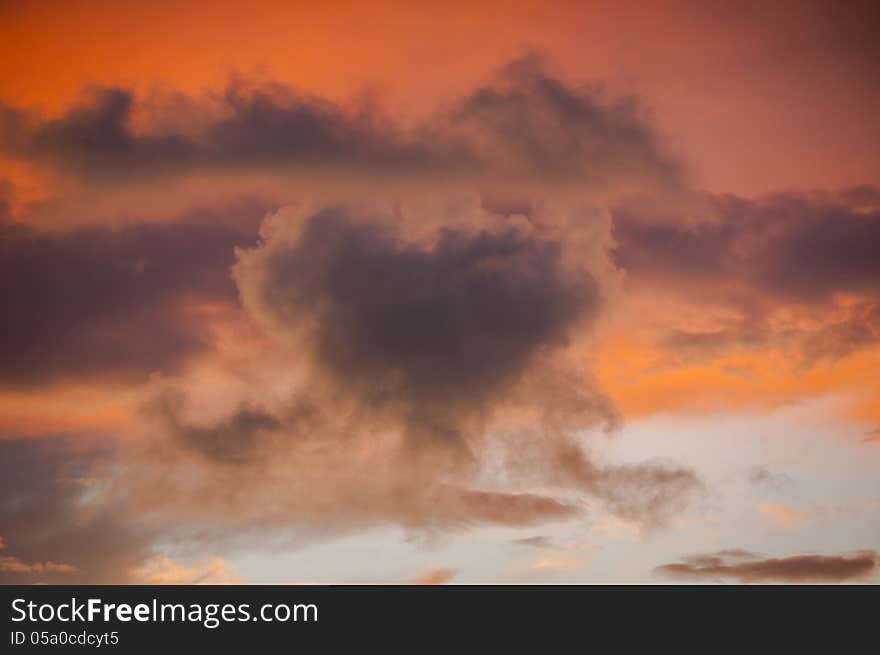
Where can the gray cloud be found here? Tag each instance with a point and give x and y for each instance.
(419, 343)
(6, 191)
(437, 334)
(796, 247)
(524, 125)
(55, 527)
(796, 252)
(100, 302)
(440, 340)
(412, 355)
(551, 130)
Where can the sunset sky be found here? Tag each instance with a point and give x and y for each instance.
(414, 292)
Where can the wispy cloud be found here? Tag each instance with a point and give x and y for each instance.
(746, 567)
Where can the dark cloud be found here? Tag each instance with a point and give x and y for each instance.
(6, 191)
(411, 358)
(54, 526)
(414, 343)
(114, 302)
(408, 354)
(860, 197)
(439, 341)
(93, 139)
(256, 128)
(525, 125)
(743, 566)
(794, 253)
(796, 247)
(439, 333)
(554, 131)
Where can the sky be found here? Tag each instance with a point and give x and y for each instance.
(557, 292)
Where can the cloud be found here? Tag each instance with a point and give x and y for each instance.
(421, 376)
(434, 334)
(76, 511)
(539, 126)
(330, 484)
(746, 567)
(524, 126)
(419, 372)
(793, 271)
(52, 513)
(104, 303)
(6, 194)
(438, 339)
(645, 494)
(436, 576)
(422, 364)
(12, 564)
(255, 128)
(229, 440)
(162, 570)
(797, 247)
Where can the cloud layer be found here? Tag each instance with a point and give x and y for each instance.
(525, 127)
(51, 532)
(417, 353)
(421, 373)
(96, 302)
(743, 566)
(794, 271)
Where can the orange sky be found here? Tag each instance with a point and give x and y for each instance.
(722, 85)
(208, 335)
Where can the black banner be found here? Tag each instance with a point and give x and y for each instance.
(147, 619)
